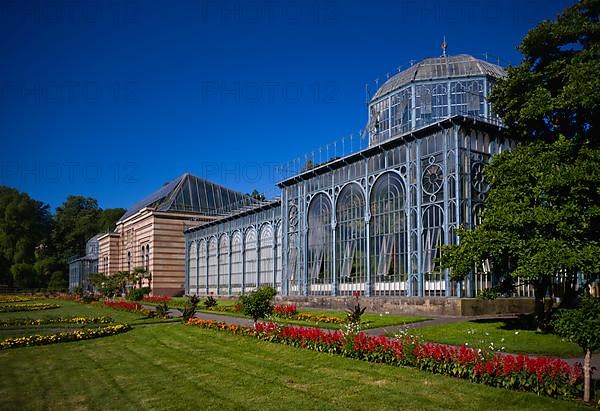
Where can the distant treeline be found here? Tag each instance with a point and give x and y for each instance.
(35, 243)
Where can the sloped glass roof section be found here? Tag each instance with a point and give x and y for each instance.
(189, 193)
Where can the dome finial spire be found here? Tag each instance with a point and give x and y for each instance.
(444, 46)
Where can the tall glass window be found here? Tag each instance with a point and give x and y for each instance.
(320, 258)
(202, 280)
(212, 265)
(236, 262)
(266, 255)
(224, 264)
(432, 239)
(389, 254)
(250, 260)
(351, 247)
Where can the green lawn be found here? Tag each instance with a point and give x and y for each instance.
(369, 320)
(518, 335)
(173, 366)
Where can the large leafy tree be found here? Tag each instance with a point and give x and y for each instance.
(542, 211)
(556, 88)
(24, 224)
(541, 217)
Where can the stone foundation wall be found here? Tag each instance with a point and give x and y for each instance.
(418, 305)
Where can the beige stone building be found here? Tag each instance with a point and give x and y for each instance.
(150, 233)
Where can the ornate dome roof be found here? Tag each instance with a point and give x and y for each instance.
(445, 67)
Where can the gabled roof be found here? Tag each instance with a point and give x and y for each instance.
(461, 65)
(188, 193)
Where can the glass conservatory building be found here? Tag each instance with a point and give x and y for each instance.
(373, 221)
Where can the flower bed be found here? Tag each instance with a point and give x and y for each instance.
(285, 311)
(226, 308)
(77, 335)
(55, 320)
(548, 376)
(17, 298)
(123, 305)
(320, 318)
(157, 299)
(8, 308)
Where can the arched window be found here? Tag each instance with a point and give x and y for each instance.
(192, 268)
(351, 245)
(389, 239)
(236, 263)
(212, 266)
(250, 263)
(320, 256)
(266, 255)
(202, 283)
(224, 265)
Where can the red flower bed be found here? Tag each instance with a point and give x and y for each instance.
(123, 305)
(157, 299)
(548, 376)
(285, 311)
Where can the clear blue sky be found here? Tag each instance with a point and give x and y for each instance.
(110, 99)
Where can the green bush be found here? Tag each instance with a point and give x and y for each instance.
(489, 294)
(89, 298)
(259, 303)
(136, 294)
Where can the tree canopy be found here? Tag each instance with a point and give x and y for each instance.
(24, 224)
(556, 88)
(35, 245)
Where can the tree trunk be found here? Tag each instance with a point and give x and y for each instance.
(587, 375)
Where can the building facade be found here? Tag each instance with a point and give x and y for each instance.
(80, 268)
(150, 233)
(370, 222)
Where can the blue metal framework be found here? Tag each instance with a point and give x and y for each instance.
(372, 222)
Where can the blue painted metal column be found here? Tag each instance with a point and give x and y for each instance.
(304, 236)
(243, 253)
(187, 266)
(284, 244)
(368, 282)
(408, 206)
(419, 193)
(206, 248)
(446, 210)
(458, 184)
(197, 245)
(229, 264)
